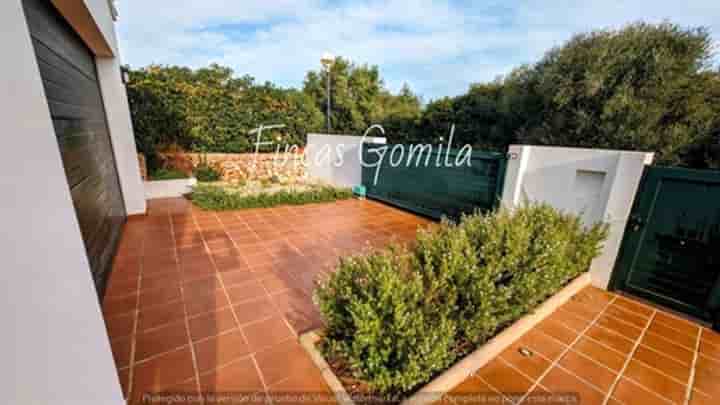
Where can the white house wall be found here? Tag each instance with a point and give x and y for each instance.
(54, 348)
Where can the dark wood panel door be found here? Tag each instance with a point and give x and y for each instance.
(68, 72)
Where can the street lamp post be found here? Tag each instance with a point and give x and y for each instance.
(327, 61)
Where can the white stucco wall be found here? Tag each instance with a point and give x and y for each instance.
(168, 188)
(54, 347)
(599, 185)
(118, 112)
(343, 167)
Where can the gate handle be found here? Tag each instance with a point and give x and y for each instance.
(636, 222)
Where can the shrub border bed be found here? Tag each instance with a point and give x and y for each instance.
(447, 380)
(215, 198)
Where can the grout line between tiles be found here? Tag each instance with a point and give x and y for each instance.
(196, 368)
(691, 378)
(629, 358)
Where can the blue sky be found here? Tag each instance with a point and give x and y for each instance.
(438, 48)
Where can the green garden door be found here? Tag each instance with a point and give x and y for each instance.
(671, 250)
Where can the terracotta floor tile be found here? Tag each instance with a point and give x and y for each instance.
(655, 381)
(230, 264)
(623, 328)
(629, 392)
(161, 340)
(525, 360)
(688, 341)
(668, 348)
(220, 350)
(165, 280)
(201, 286)
(580, 309)
(121, 349)
(633, 306)
(159, 296)
(282, 361)
(710, 350)
(707, 376)
(311, 381)
(267, 333)
(274, 284)
(557, 331)
(162, 372)
(472, 385)
(121, 288)
(711, 337)
(199, 304)
(120, 325)
(639, 321)
(254, 310)
(668, 365)
(161, 315)
(541, 343)
(698, 398)
(246, 291)
(558, 380)
(503, 378)
(233, 278)
(570, 320)
(588, 369)
(240, 376)
(594, 297)
(211, 324)
(610, 339)
(678, 324)
(113, 306)
(601, 354)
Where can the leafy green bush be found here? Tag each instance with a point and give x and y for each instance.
(217, 198)
(167, 174)
(397, 317)
(206, 173)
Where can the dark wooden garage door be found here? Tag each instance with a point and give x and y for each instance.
(73, 94)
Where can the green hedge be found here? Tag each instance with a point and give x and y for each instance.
(212, 110)
(397, 317)
(218, 198)
(167, 174)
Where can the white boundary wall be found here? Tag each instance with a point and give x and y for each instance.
(335, 159)
(168, 188)
(599, 185)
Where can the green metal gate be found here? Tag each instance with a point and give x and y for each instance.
(435, 189)
(671, 250)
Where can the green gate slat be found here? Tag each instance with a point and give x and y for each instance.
(431, 190)
(670, 253)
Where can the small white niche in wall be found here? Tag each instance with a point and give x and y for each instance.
(587, 191)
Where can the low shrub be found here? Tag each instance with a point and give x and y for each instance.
(217, 198)
(397, 317)
(206, 173)
(167, 174)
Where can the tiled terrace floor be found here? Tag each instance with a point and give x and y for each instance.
(213, 302)
(605, 349)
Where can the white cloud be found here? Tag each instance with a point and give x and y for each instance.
(438, 47)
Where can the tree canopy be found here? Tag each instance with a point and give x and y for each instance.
(644, 87)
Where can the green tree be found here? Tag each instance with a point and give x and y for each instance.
(359, 99)
(643, 87)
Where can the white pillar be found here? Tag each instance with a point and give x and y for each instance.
(121, 134)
